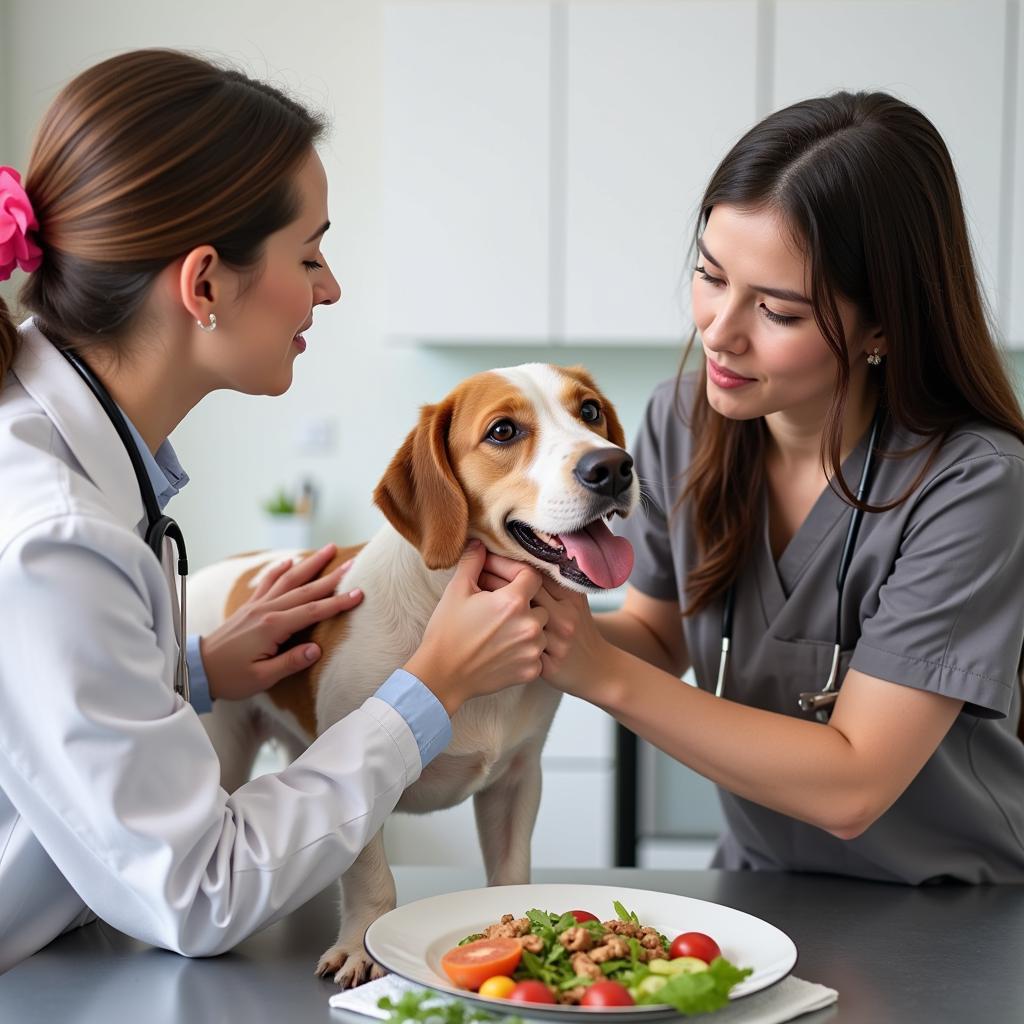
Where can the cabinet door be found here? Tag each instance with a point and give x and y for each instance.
(1015, 275)
(656, 95)
(576, 820)
(582, 735)
(944, 57)
(465, 170)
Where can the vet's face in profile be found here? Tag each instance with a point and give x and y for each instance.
(530, 460)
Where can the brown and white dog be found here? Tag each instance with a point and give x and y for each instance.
(528, 459)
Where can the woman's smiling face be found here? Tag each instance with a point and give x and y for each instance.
(751, 306)
(256, 340)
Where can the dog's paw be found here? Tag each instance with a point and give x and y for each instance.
(349, 967)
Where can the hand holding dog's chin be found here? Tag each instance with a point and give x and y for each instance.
(576, 656)
(477, 642)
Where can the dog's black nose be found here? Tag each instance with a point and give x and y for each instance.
(605, 471)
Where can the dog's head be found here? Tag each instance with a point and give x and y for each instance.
(530, 460)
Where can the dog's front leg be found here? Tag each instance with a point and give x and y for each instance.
(506, 812)
(367, 891)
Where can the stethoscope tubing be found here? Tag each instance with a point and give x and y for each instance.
(818, 701)
(159, 527)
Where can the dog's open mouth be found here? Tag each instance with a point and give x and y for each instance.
(592, 556)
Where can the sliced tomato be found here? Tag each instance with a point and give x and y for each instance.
(472, 964)
(582, 915)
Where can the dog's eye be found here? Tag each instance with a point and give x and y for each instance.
(503, 430)
(590, 411)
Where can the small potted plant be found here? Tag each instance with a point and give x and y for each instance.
(288, 524)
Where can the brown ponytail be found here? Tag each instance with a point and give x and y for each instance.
(138, 160)
(868, 187)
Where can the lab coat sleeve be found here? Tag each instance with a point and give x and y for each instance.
(115, 775)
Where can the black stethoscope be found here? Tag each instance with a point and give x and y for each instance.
(159, 526)
(818, 701)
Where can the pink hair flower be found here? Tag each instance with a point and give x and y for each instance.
(16, 221)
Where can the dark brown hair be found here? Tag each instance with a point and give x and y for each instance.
(867, 186)
(138, 160)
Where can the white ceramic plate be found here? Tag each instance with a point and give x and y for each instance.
(410, 940)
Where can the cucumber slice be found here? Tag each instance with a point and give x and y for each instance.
(681, 965)
(650, 985)
(659, 967)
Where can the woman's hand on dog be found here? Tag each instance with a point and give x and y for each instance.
(241, 656)
(477, 641)
(575, 652)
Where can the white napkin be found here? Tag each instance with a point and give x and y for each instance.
(790, 998)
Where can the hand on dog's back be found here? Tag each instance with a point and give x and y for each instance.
(478, 642)
(241, 656)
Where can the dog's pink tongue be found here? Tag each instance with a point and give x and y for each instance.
(606, 559)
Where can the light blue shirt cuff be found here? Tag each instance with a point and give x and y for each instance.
(198, 685)
(423, 712)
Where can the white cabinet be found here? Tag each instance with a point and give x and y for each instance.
(542, 162)
(1015, 274)
(946, 58)
(651, 110)
(465, 170)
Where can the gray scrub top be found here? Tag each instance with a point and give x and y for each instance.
(934, 599)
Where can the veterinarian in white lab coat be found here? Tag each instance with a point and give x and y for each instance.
(170, 223)
(848, 362)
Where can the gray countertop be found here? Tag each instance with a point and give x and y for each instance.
(894, 953)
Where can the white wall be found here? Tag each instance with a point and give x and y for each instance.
(238, 449)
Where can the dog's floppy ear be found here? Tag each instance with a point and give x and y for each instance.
(420, 495)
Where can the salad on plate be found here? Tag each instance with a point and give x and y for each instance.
(575, 959)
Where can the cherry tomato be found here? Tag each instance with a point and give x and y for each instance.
(697, 944)
(498, 987)
(531, 992)
(582, 915)
(606, 993)
(472, 964)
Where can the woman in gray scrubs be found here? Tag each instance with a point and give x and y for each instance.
(834, 281)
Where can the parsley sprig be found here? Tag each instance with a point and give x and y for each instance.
(431, 1008)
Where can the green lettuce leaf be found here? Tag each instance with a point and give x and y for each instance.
(702, 992)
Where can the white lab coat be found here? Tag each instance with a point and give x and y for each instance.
(109, 789)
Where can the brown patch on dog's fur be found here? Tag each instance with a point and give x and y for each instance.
(297, 693)
(243, 588)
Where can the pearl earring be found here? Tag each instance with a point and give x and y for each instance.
(875, 359)
(213, 325)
